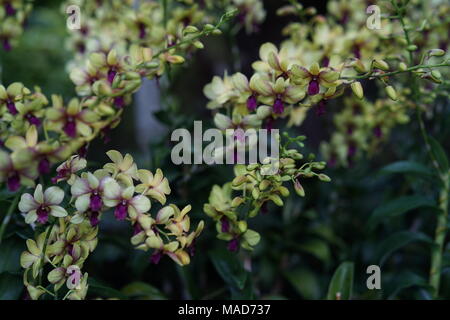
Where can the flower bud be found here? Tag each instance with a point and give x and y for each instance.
(324, 177)
(411, 48)
(237, 201)
(242, 226)
(299, 188)
(391, 93)
(436, 53)
(255, 193)
(264, 184)
(190, 29)
(283, 191)
(209, 27)
(357, 89)
(381, 64)
(402, 66)
(276, 199)
(239, 180)
(198, 45)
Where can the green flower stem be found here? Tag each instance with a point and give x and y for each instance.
(439, 238)
(401, 13)
(48, 232)
(441, 225)
(8, 215)
(381, 75)
(227, 16)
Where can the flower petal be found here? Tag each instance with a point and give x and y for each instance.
(53, 195)
(38, 194)
(27, 203)
(82, 202)
(58, 211)
(141, 203)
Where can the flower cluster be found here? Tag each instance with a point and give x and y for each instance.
(324, 58)
(13, 14)
(119, 187)
(38, 135)
(256, 189)
(171, 29)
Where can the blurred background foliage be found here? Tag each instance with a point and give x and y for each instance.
(302, 243)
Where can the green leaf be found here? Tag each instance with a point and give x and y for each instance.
(342, 282)
(398, 207)
(439, 154)
(99, 288)
(305, 282)
(10, 252)
(397, 241)
(143, 291)
(246, 293)
(229, 268)
(317, 248)
(405, 280)
(11, 286)
(407, 167)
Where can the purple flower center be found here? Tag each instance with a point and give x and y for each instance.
(33, 120)
(268, 125)
(121, 211)
(191, 248)
(313, 87)
(10, 11)
(137, 229)
(82, 152)
(6, 44)
(252, 103)
(225, 224)
(96, 202)
(378, 132)
(233, 245)
(142, 32)
(264, 209)
(13, 182)
(278, 106)
(44, 166)
(321, 110)
(11, 107)
(42, 213)
(351, 149)
(119, 102)
(94, 219)
(111, 75)
(350, 128)
(62, 174)
(70, 128)
(156, 257)
(357, 51)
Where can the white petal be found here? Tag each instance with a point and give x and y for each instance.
(141, 203)
(79, 187)
(53, 195)
(27, 203)
(93, 181)
(128, 193)
(31, 217)
(38, 195)
(58, 211)
(82, 202)
(112, 189)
